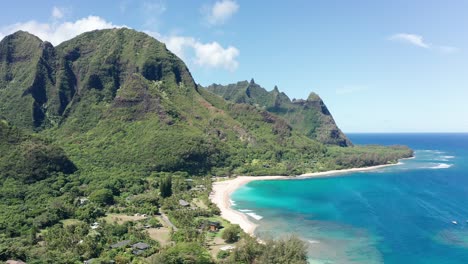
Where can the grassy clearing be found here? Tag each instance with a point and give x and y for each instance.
(199, 203)
(68, 222)
(122, 218)
(162, 235)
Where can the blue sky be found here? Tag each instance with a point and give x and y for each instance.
(380, 66)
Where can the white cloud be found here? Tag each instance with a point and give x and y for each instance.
(179, 44)
(221, 11)
(418, 40)
(413, 39)
(210, 55)
(214, 55)
(57, 12)
(57, 33)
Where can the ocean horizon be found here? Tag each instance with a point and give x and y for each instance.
(414, 212)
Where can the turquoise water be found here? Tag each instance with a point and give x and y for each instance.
(400, 214)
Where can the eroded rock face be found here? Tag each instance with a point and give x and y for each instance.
(48, 83)
(310, 116)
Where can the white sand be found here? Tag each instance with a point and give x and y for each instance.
(222, 191)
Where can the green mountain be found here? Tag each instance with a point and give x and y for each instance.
(26, 78)
(118, 100)
(310, 117)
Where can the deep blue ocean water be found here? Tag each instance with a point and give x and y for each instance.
(399, 214)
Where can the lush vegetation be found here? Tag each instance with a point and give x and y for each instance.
(310, 117)
(232, 233)
(102, 134)
(287, 250)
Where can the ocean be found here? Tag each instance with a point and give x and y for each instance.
(415, 212)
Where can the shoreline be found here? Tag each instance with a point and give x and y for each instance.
(222, 190)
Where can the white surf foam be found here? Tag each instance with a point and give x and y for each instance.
(254, 216)
(313, 241)
(441, 166)
(233, 203)
(445, 158)
(245, 210)
(430, 151)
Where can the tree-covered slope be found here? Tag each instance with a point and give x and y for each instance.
(117, 100)
(28, 167)
(311, 117)
(137, 107)
(27, 158)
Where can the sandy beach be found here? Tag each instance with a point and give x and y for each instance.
(222, 191)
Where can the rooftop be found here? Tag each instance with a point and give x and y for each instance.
(140, 246)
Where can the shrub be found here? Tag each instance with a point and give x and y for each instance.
(102, 196)
(231, 234)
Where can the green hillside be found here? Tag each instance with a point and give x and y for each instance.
(310, 117)
(118, 100)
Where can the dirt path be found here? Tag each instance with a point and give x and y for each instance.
(168, 222)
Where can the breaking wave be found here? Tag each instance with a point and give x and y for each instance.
(441, 166)
(254, 216)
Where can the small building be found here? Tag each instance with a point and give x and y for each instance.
(140, 248)
(120, 244)
(214, 226)
(95, 225)
(184, 203)
(211, 226)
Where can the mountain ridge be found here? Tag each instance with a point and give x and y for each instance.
(119, 99)
(310, 116)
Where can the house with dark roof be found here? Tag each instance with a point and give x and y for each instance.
(212, 226)
(140, 248)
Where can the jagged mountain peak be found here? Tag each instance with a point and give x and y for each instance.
(47, 82)
(310, 116)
